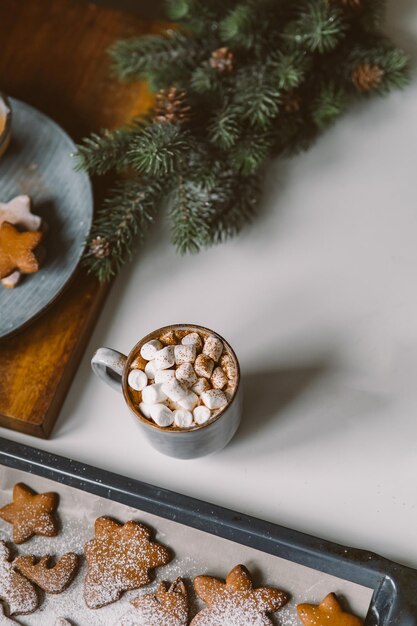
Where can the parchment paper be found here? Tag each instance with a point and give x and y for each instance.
(195, 552)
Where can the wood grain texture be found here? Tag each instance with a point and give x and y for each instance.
(54, 57)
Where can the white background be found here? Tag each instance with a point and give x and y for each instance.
(319, 299)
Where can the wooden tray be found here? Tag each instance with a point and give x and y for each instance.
(54, 57)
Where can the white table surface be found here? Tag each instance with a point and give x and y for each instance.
(319, 299)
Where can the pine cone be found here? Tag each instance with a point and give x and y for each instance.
(171, 106)
(99, 247)
(222, 60)
(367, 77)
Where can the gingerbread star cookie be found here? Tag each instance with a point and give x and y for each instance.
(17, 250)
(167, 607)
(235, 601)
(18, 592)
(31, 513)
(61, 621)
(327, 613)
(119, 558)
(18, 212)
(53, 579)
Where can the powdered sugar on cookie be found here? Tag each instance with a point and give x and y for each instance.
(120, 558)
(15, 590)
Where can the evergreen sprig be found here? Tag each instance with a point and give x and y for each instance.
(241, 81)
(122, 221)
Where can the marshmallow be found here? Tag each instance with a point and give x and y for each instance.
(189, 401)
(214, 398)
(201, 414)
(137, 380)
(150, 369)
(164, 358)
(180, 333)
(145, 409)
(149, 349)
(218, 378)
(203, 366)
(228, 365)
(184, 354)
(153, 394)
(201, 385)
(192, 339)
(174, 390)
(183, 418)
(229, 392)
(186, 375)
(168, 338)
(213, 348)
(164, 376)
(162, 415)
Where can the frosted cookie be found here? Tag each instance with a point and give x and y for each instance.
(17, 592)
(327, 613)
(235, 601)
(50, 579)
(119, 558)
(12, 280)
(167, 607)
(31, 513)
(18, 211)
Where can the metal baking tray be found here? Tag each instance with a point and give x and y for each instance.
(394, 599)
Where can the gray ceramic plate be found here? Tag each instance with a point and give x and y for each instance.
(38, 163)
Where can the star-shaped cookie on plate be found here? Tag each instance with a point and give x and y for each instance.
(31, 513)
(327, 613)
(17, 250)
(236, 601)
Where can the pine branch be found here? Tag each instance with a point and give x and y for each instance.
(287, 69)
(250, 153)
(242, 81)
(101, 152)
(205, 79)
(140, 57)
(330, 103)
(238, 27)
(319, 27)
(190, 212)
(224, 128)
(159, 150)
(258, 94)
(396, 70)
(238, 211)
(196, 14)
(120, 224)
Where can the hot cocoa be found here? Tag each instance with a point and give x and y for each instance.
(182, 378)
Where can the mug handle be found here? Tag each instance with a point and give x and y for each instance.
(108, 364)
